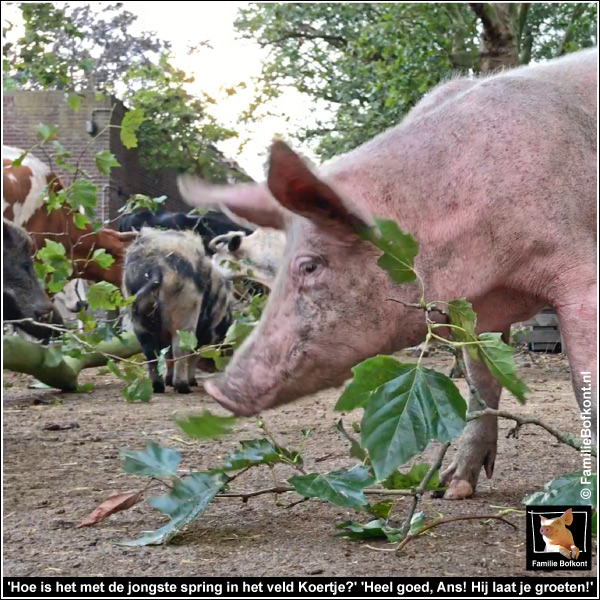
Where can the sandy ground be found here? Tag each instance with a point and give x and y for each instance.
(53, 479)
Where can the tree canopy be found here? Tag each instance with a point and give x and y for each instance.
(370, 63)
(78, 48)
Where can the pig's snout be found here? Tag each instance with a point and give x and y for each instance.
(216, 388)
(545, 531)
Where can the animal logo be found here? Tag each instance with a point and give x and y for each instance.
(556, 535)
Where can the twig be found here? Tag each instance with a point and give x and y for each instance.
(245, 496)
(421, 489)
(521, 420)
(419, 306)
(282, 489)
(425, 528)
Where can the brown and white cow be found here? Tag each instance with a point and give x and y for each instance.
(24, 189)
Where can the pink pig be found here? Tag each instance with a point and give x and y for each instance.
(557, 537)
(495, 178)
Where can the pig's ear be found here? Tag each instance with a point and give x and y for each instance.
(568, 516)
(248, 204)
(298, 189)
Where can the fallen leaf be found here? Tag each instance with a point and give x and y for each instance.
(113, 504)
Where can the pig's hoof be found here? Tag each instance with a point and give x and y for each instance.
(182, 387)
(574, 552)
(192, 382)
(458, 490)
(158, 387)
(566, 553)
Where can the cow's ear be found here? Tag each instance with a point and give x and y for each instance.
(299, 190)
(568, 516)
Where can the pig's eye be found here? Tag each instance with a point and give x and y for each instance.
(309, 266)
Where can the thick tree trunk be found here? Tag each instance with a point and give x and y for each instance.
(61, 372)
(498, 49)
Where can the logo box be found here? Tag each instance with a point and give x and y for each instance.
(581, 529)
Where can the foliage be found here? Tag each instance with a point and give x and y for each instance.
(79, 48)
(206, 425)
(343, 487)
(187, 499)
(569, 490)
(154, 461)
(138, 387)
(178, 131)
(370, 63)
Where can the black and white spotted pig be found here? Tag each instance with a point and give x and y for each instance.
(176, 288)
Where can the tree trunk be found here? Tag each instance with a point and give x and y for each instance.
(60, 371)
(498, 49)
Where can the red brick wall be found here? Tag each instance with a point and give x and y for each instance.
(24, 110)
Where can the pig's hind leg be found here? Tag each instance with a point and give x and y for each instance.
(151, 349)
(181, 379)
(480, 437)
(577, 319)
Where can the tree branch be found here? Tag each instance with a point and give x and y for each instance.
(23, 356)
(570, 30)
(425, 528)
(564, 438)
(421, 490)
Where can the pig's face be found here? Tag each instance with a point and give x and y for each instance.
(329, 307)
(553, 528)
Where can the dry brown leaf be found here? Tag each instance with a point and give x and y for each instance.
(113, 504)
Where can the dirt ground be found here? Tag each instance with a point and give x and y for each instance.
(53, 479)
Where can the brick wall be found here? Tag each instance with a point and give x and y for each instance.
(24, 110)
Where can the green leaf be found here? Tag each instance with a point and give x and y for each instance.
(102, 258)
(461, 313)
(404, 414)
(343, 487)
(417, 521)
(399, 249)
(355, 448)
(371, 530)
(105, 161)
(368, 377)
(186, 501)
(259, 452)
(139, 390)
(53, 262)
(238, 332)
(82, 194)
(187, 340)
(74, 100)
(154, 461)
(498, 357)
(206, 425)
(565, 489)
(19, 160)
(129, 125)
(84, 388)
(81, 221)
(381, 509)
(53, 356)
(412, 479)
(46, 132)
(104, 295)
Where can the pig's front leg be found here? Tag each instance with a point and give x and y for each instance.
(480, 437)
